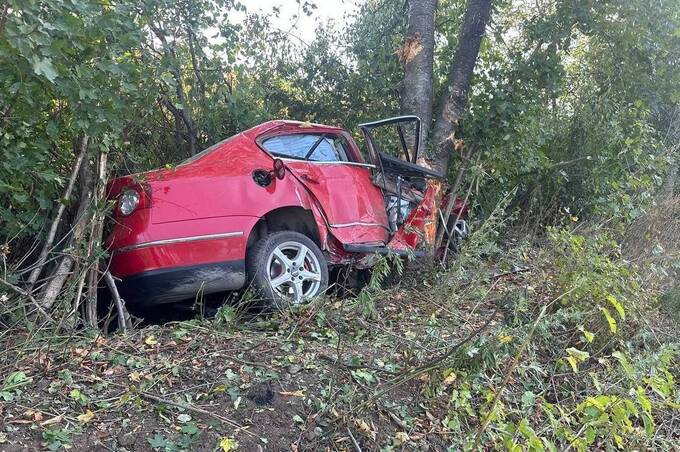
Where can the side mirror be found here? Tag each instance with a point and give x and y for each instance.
(279, 169)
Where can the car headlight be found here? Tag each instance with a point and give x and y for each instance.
(128, 202)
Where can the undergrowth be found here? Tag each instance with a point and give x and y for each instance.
(556, 343)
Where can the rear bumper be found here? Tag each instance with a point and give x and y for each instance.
(169, 285)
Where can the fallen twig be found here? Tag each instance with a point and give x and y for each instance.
(511, 272)
(355, 443)
(195, 409)
(396, 420)
(30, 297)
(337, 362)
(430, 365)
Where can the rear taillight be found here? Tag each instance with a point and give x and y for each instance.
(131, 199)
(128, 202)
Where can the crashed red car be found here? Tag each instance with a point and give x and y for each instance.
(273, 208)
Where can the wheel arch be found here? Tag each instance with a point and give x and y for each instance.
(287, 218)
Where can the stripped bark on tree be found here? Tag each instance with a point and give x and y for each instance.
(417, 56)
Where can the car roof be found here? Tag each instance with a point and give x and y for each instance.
(289, 125)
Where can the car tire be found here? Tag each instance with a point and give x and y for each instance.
(286, 269)
(460, 233)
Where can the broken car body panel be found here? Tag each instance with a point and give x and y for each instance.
(193, 224)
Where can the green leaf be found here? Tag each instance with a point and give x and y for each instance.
(190, 429)
(159, 442)
(643, 400)
(548, 444)
(228, 444)
(617, 305)
(45, 68)
(528, 399)
(587, 335)
(526, 430)
(575, 357)
(79, 396)
(627, 367)
(648, 421)
(578, 354)
(363, 376)
(574, 364)
(610, 320)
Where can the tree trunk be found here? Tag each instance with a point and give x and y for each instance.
(4, 15)
(49, 240)
(453, 101)
(96, 232)
(417, 57)
(63, 271)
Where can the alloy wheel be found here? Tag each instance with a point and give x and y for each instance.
(294, 272)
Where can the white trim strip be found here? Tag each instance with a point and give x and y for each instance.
(337, 162)
(194, 238)
(358, 223)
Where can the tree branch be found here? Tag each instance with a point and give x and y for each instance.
(49, 241)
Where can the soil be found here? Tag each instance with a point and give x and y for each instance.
(329, 376)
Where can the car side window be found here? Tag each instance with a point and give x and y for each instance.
(293, 146)
(330, 149)
(341, 145)
(298, 146)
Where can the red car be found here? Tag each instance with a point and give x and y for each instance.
(273, 207)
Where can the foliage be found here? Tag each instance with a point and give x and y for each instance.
(71, 68)
(567, 109)
(594, 275)
(571, 108)
(338, 365)
(571, 103)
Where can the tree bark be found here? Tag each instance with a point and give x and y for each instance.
(417, 56)
(96, 232)
(63, 270)
(454, 98)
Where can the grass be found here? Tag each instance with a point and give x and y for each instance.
(441, 359)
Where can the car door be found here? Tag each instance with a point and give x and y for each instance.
(353, 206)
(393, 145)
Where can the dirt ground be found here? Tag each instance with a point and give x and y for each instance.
(335, 375)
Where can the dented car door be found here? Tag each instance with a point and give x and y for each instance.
(353, 206)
